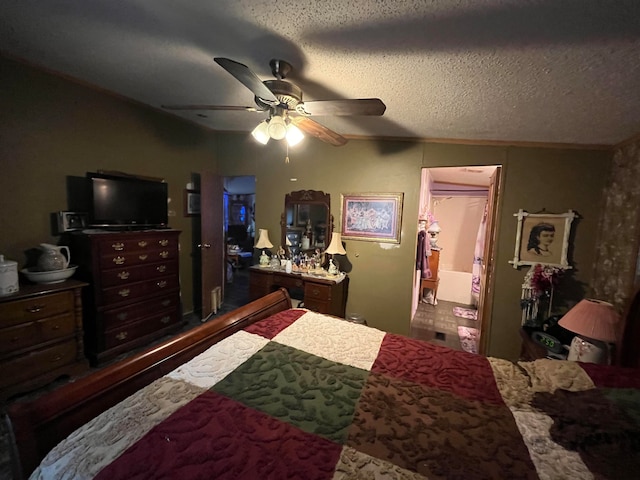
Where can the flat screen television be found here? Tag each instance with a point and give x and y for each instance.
(127, 202)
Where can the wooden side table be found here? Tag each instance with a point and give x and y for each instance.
(530, 350)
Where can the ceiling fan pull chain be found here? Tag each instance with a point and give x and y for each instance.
(286, 159)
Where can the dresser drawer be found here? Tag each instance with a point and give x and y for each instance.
(32, 333)
(133, 331)
(140, 257)
(314, 291)
(35, 308)
(140, 243)
(24, 368)
(120, 316)
(136, 291)
(127, 274)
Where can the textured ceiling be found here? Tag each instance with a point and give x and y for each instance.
(516, 71)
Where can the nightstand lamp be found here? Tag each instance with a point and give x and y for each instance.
(595, 324)
(335, 248)
(263, 242)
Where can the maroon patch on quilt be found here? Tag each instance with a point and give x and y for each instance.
(215, 437)
(608, 376)
(438, 433)
(462, 373)
(273, 325)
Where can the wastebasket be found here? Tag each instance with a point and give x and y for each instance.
(356, 318)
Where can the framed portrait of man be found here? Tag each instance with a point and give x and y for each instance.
(542, 238)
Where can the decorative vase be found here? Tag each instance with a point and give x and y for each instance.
(52, 258)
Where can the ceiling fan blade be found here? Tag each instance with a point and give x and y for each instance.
(360, 106)
(210, 107)
(247, 78)
(321, 132)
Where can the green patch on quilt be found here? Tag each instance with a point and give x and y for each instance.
(310, 392)
(627, 399)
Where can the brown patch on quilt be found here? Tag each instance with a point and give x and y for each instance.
(548, 375)
(589, 423)
(438, 433)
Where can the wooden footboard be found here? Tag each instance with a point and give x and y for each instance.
(37, 426)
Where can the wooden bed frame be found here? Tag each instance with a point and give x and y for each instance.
(35, 427)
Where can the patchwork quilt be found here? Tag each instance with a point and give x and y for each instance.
(302, 395)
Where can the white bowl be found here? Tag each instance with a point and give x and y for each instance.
(54, 276)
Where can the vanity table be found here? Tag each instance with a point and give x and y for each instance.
(321, 294)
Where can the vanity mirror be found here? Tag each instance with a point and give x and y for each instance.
(307, 222)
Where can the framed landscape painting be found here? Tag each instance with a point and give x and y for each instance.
(373, 217)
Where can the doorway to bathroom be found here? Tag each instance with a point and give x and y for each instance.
(454, 264)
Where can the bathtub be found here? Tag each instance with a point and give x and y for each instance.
(455, 287)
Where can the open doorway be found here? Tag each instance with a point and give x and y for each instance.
(239, 234)
(457, 208)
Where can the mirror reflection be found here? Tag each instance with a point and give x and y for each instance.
(306, 221)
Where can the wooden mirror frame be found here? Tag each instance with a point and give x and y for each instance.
(293, 201)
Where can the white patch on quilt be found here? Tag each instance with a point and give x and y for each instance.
(552, 461)
(355, 465)
(334, 339)
(219, 360)
(89, 449)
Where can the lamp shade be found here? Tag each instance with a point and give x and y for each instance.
(261, 132)
(263, 239)
(592, 319)
(335, 247)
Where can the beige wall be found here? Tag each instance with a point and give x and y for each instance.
(52, 128)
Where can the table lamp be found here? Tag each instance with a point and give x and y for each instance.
(335, 248)
(595, 324)
(263, 242)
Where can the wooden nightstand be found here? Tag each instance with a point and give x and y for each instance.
(532, 350)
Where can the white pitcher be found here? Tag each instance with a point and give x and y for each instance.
(52, 258)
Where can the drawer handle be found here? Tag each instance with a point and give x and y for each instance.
(299, 283)
(165, 303)
(162, 283)
(56, 327)
(122, 316)
(163, 243)
(35, 308)
(164, 254)
(315, 292)
(57, 358)
(121, 336)
(142, 243)
(118, 260)
(161, 268)
(143, 257)
(15, 339)
(117, 246)
(123, 275)
(124, 292)
(165, 320)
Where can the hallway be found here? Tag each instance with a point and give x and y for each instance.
(437, 324)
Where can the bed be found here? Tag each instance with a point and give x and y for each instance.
(274, 392)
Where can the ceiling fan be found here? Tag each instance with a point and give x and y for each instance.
(288, 113)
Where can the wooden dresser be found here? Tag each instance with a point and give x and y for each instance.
(40, 336)
(320, 294)
(135, 289)
(432, 283)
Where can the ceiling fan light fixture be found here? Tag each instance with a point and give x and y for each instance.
(261, 132)
(277, 128)
(294, 135)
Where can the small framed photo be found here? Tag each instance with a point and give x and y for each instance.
(373, 217)
(191, 203)
(542, 239)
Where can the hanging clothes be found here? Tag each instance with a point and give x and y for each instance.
(422, 255)
(478, 259)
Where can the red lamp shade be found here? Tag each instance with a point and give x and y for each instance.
(592, 319)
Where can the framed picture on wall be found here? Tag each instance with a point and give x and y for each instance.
(373, 217)
(191, 203)
(542, 239)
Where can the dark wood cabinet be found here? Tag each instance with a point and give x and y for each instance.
(321, 295)
(134, 296)
(41, 336)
